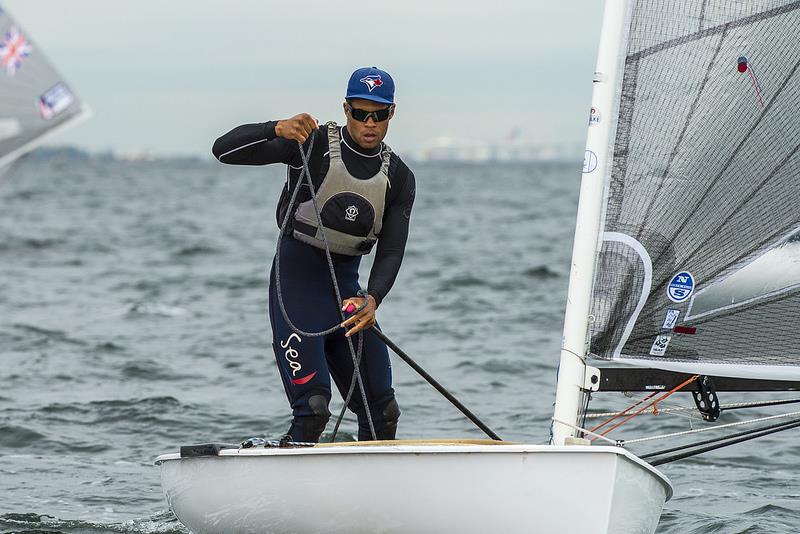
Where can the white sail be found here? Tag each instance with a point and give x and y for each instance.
(703, 186)
(36, 101)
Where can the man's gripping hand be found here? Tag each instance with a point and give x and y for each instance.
(364, 318)
(297, 128)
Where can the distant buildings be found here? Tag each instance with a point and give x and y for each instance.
(507, 150)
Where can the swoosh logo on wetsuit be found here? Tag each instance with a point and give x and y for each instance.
(301, 381)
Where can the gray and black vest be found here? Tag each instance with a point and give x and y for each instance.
(351, 209)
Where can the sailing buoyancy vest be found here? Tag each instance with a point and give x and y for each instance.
(351, 209)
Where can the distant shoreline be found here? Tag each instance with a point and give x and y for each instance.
(70, 153)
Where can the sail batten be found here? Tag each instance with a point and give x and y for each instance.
(705, 180)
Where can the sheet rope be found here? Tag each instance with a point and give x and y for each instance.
(356, 354)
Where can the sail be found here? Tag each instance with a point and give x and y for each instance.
(697, 270)
(35, 98)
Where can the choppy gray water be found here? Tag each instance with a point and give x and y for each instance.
(133, 300)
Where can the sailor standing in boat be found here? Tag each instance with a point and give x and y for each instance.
(365, 194)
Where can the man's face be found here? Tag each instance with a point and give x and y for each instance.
(367, 134)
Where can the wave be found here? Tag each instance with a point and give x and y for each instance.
(155, 308)
(16, 437)
(152, 370)
(541, 272)
(32, 523)
(196, 250)
(18, 244)
(238, 282)
(47, 335)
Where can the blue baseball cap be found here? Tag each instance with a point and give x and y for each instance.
(371, 83)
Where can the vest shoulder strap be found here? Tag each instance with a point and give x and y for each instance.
(334, 146)
(386, 158)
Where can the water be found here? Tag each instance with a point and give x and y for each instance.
(133, 300)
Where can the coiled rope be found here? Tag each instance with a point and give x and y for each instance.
(355, 354)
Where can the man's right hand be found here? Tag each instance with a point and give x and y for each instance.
(297, 128)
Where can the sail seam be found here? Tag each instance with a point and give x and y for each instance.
(747, 199)
(715, 29)
(702, 15)
(616, 188)
(725, 167)
(682, 135)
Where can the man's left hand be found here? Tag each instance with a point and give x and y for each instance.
(362, 319)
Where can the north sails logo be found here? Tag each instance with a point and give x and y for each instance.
(351, 213)
(372, 81)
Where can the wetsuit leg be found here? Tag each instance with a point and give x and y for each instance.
(305, 362)
(304, 373)
(301, 360)
(376, 373)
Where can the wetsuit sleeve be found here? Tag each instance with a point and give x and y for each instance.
(255, 144)
(394, 234)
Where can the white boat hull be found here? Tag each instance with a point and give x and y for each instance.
(416, 488)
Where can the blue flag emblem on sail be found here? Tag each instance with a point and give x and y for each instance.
(681, 286)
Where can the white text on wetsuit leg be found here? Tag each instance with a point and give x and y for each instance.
(291, 354)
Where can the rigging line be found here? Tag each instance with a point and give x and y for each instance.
(723, 407)
(718, 439)
(585, 431)
(654, 403)
(587, 397)
(356, 357)
(623, 412)
(756, 85)
(673, 409)
(350, 390)
(726, 444)
(708, 429)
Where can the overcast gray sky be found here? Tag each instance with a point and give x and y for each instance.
(169, 76)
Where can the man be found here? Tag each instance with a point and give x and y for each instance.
(365, 194)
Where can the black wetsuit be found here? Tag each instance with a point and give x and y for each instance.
(306, 362)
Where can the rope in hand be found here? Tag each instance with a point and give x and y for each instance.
(355, 354)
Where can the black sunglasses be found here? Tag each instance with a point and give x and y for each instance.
(363, 115)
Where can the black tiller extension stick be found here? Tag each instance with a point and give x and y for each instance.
(432, 381)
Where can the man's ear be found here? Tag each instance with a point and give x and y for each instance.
(344, 108)
(391, 113)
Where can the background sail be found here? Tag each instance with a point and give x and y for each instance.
(35, 99)
(705, 182)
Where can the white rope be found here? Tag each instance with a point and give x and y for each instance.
(687, 432)
(574, 427)
(598, 415)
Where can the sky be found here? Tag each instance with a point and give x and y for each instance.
(170, 76)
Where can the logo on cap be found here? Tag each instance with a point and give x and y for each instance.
(372, 81)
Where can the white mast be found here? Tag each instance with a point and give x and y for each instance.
(596, 170)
